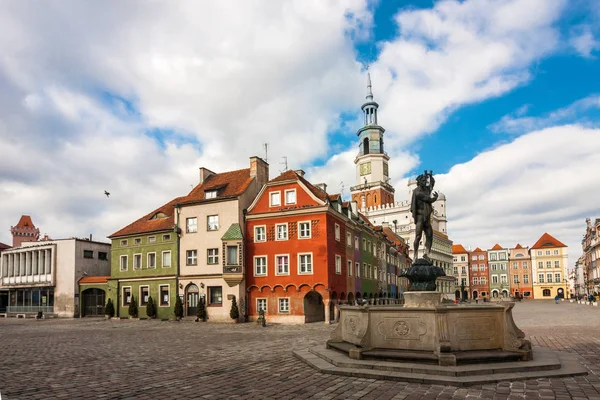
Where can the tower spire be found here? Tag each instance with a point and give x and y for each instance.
(369, 88)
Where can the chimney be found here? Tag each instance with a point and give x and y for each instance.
(300, 172)
(354, 207)
(204, 174)
(259, 169)
(322, 186)
(90, 237)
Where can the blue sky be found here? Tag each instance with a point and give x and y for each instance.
(499, 97)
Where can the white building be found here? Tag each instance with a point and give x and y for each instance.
(43, 276)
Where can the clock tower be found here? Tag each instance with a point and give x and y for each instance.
(372, 172)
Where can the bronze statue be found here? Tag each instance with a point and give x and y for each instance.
(421, 209)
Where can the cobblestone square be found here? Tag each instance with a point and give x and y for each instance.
(96, 358)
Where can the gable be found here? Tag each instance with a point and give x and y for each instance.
(265, 202)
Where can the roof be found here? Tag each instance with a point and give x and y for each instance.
(228, 184)
(518, 246)
(393, 236)
(25, 222)
(477, 250)
(4, 246)
(497, 247)
(292, 175)
(547, 241)
(458, 249)
(94, 279)
(334, 197)
(233, 233)
(148, 224)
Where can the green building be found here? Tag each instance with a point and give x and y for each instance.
(144, 263)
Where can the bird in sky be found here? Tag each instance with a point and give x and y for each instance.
(106, 193)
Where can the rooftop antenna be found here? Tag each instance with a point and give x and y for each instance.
(342, 191)
(266, 145)
(285, 164)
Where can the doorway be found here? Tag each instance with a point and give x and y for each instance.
(192, 294)
(93, 302)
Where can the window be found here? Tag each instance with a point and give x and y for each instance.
(215, 296)
(481, 267)
(305, 263)
(539, 253)
(463, 270)
(290, 196)
(166, 237)
(474, 258)
(455, 269)
(151, 239)
(356, 242)
(475, 281)
(474, 267)
(547, 252)
(191, 225)
(364, 270)
(463, 281)
(463, 258)
(337, 232)
(212, 223)
(525, 278)
(123, 242)
(525, 265)
(556, 264)
(546, 293)
(364, 244)
(515, 265)
(126, 295)
(557, 278)
(282, 231)
(137, 241)
(357, 266)
(482, 257)
(368, 245)
(88, 254)
(212, 256)
(144, 293)
(502, 256)
(370, 272)
(540, 278)
(284, 305)
(191, 257)
(515, 278)
(123, 263)
(338, 265)
(137, 261)
(348, 239)
(304, 230)
(503, 266)
(541, 264)
(493, 257)
(210, 194)
(261, 304)
(494, 267)
(102, 255)
(232, 255)
(274, 199)
(349, 268)
(483, 281)
(166, 259)
(260, 266)
(494, 278)
(555, 252)
(283, 264)
(260, 233)
(503, 279)
(164, 295)
(151, 260)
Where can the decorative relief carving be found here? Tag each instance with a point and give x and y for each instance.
(401, 328)
(408, 328)
(475, 328)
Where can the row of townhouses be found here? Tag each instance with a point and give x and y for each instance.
(539, 272)
(585, 277)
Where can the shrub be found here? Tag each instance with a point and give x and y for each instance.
(109, 310)
(234, 313)
(133, 309)
(150, 308)
(178, 308)
(201, 311)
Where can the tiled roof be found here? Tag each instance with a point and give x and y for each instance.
(392, 236)
(334, 197)
(228, 184)
(94, 279)
(518, 246)
(458, 249)
(292, 175)
(25, 222)
(233, 233)
(4, 246)
(477, 250)
(147, 224)
(547, 241)
(497, 247)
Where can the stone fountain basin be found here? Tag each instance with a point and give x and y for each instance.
(425, 325)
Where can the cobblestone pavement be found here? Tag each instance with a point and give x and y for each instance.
(95, 358)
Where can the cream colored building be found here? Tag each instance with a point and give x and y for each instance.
(460, 271)
(549, 260)
(43, 276)
(211, 247)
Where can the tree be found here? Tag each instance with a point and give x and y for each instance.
(234, 313)
(109, 310)
(201, 311)
(150, 308)
(178, 308)
(133, 309)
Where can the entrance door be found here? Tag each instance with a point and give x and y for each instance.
(192, 299)
(93, 303)
(561, 293)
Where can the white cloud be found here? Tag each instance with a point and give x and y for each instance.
(583, 41)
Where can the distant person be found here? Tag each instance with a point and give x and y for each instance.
(556, 298)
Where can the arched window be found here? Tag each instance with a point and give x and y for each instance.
(366, 146)
(546, 293)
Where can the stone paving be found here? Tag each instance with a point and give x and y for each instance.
(95, 358)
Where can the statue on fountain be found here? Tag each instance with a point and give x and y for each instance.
(422, 274)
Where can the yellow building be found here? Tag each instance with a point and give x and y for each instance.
(549, 259)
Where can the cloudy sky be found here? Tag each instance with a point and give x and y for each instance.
(500, 98)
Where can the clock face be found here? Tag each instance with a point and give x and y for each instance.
(365, 168)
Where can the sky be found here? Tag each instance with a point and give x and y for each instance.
(501, 99)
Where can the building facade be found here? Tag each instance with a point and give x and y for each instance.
(24, 231)
(43, 276)
(549, 258)
(498, 272)
(591, 254)
(520, 277)
(478, 272)
(460, 271)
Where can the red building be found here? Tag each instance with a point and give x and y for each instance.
(24, 231)
(307, 250)
(479, 274)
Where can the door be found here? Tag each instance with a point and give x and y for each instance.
(192, 299)
(93, 303)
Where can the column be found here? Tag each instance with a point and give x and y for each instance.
(336, 311)
(51, 261)
(46, 261)
(327, 312)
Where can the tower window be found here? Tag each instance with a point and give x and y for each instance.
(366, 146)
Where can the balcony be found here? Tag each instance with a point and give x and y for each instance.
(233, 274)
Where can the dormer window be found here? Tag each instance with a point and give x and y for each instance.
(210, 194)
(159, 215)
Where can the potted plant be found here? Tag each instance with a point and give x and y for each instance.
(178, 309)
(201, 311)
(150, 308)
(133, 309)
(109, 310)
(234, 313)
